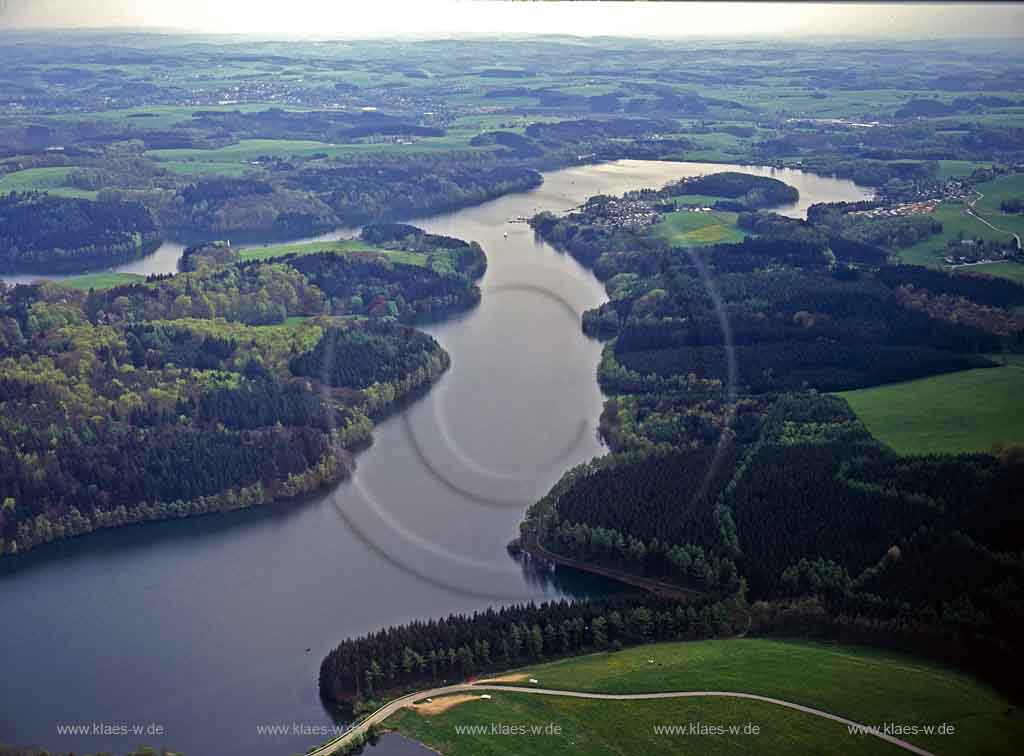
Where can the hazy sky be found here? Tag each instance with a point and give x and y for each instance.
(362, 18)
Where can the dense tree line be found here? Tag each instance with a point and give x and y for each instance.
(213, 253)
(663, 495)
(375, 287)
(819, 330)
(373, 353)
(219, 188)
(996, 292)
(684, 564)
(359, 193)
(792, 365)
(252, 293)
(890, 233)
(40, 232)
(851, 237)
(224, 206)
(458, 646)
(679, 419)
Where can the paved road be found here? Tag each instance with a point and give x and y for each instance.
(971, 211)
(393, 706)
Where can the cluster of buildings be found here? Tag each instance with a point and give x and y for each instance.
(268, 90)
(844, 122)
(625, 213)
(921, 200)
(971, 252)
(949, 190)
(921, 207)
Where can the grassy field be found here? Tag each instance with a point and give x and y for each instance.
(954, 220)
(203, 168)
(51, 180)
(692, 229)
(342, 246)
(956, 168)
(102, 280)
(965, 411)
(867, 685)
(616, 728)
(1012, 270)
(995, 193)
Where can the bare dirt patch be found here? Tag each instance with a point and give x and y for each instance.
(439, 705)
(505, 678)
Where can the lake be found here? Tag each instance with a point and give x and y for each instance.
(210, 631)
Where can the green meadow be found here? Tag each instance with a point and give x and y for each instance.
(876, 687)
(102, 280)
(1011, 269)
(52, 180)
(966, 411)
(995, 193)
(692, 229)
(341, 246)
(958, 168)
(618, 728)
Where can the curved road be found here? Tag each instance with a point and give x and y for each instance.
(392, 707)
(977, 216)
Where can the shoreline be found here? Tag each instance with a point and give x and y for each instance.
(532, 548)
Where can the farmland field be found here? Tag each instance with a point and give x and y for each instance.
(967, 411)
(692, 229)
